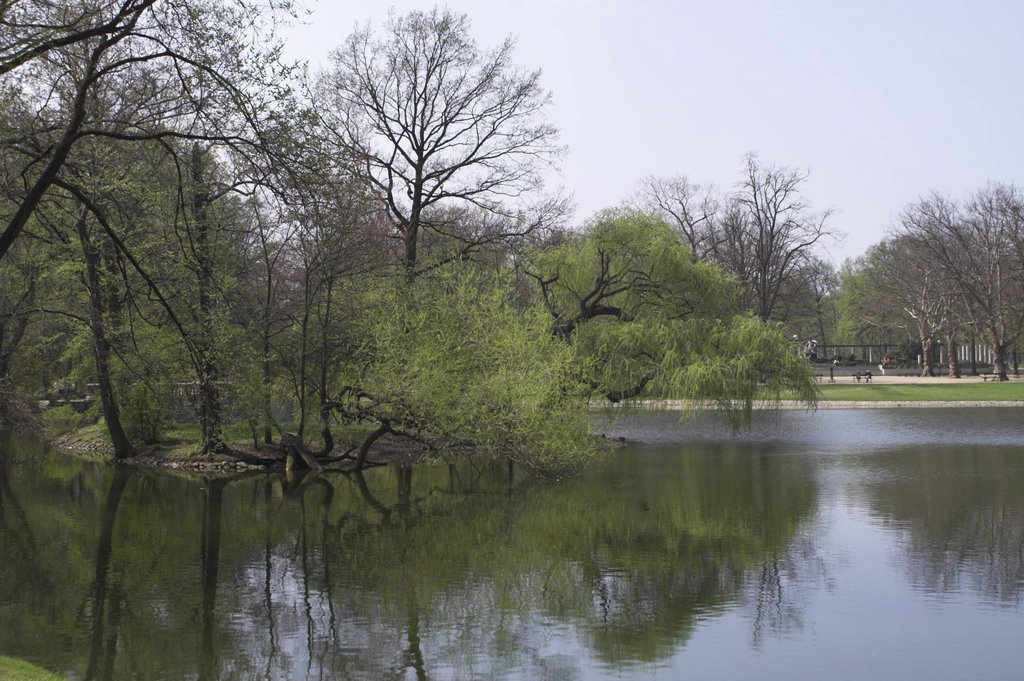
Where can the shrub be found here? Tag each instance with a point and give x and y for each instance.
(143, 414)
(61, 420)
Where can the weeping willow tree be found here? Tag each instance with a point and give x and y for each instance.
(450, 362)
(648, 320)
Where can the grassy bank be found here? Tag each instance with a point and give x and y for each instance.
(19, 670)
(918, 392)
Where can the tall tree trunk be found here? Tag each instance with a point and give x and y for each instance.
(954, 361)
(974, 353)
(11, 337)
(268, 433)
(410, 238)
(303, 344)
(325, 424)
(210, 417)
(210, 414)
(410, 233)
(101, 344)
(104, 551)
(209, 559)
(999, 360)
(325, 362)
(268, 301)
(927, 360)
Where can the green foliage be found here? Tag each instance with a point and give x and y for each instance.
(12, 669)
(634, 262)
(449, 358)
(647, 319)
(61, 420)
(144, 413)
(742, 360)
(870, 307)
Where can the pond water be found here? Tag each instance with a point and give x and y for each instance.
(867, 544)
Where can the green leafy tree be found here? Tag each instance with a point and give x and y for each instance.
(20, 280)
(197, 69)
(646, 319)
(451, 362)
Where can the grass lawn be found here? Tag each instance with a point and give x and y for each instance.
(19, 670)
(915, 392)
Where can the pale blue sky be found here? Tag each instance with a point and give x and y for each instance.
(881, 101)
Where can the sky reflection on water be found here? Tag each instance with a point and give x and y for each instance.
(827, 430)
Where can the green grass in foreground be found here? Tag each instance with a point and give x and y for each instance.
(19, 670)
(916, 392)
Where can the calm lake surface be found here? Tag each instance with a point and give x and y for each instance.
(861, 544)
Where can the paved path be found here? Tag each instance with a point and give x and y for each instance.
(892, 404)
(907, 380)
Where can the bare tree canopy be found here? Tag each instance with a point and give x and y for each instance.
(428, 118)
(916, 293)
(977, 245)
(765, 232)
(690, 207)
(781, 227)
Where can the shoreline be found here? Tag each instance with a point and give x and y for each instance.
(878, 379)
(892, 404)
(681, 405)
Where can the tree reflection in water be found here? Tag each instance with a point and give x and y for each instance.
(958, 513)
(434, 571)
(106, 602)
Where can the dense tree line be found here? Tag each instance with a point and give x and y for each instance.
(186, 219)
(950, 272)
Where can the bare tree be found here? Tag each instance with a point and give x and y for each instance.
(692, 208)
(975, 243)
(764, 233)
(808, 301)
(910, 282)
(781, 229)
(338, 240)
(429, 119)
(734, 250)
